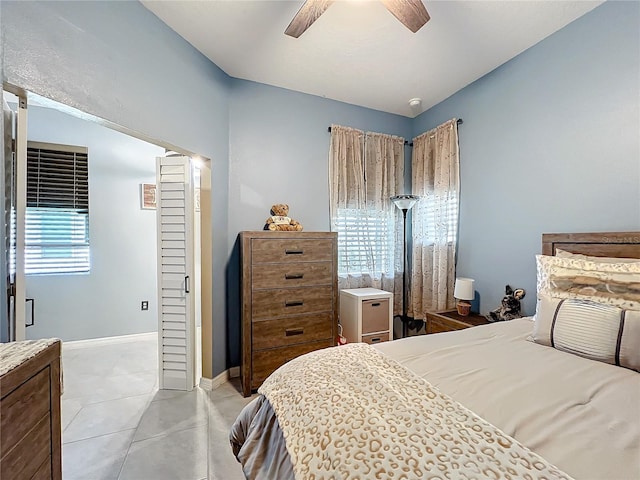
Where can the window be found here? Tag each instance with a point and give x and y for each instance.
(428, 210)
(365, 170)
(365, 241)
(57, 214)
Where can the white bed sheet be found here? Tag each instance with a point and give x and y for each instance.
(581, 415)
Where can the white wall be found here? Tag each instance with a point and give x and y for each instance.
(106, 301)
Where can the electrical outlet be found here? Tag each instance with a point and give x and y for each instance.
(145, 305)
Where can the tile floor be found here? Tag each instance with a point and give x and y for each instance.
(117, 425)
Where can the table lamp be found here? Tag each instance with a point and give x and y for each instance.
(463, 292)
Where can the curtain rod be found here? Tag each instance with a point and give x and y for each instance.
(406, 142)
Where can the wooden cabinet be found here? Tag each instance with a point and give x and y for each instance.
(366, 315)
(289, 299)
(30, 428)
(451, 320)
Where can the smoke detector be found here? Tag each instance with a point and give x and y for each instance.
(415, 103)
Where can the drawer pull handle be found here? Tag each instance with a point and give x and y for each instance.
(294, 303)
(290, 332)
(375, 304)
(293, 276)
(294, 252)
(375, 340)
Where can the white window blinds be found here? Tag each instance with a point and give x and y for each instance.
(439, 216)
(365, 241)
(57, 214)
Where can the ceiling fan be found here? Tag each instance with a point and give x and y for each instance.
(411, 13)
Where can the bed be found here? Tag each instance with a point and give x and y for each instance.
(485, 402)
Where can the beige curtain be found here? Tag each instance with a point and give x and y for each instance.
(436, 179)
(365, 170)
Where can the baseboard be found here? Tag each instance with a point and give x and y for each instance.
(206, 384)
(94, 342)
(213, 383)
(223, 377)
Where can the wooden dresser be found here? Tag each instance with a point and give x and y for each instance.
(289, 299)
(30, 429)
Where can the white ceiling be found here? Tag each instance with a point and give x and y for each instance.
(357, 52)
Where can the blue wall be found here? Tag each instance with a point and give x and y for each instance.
(549, 143)
(549, 140)
(278, 153)
(106, 301)
(119, 62)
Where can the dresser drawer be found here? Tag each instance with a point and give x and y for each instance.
(266, 361)
(270, 275)
(437, 325)
(44, 472)
(291, 330)
(291, 301)
(375, 315)
(25, 459)
(23, 408)
(376, 338)
(274, 250)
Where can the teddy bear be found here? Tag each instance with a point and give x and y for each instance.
(279, 221)
(510, 307)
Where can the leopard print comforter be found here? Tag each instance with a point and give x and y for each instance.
(350, 412)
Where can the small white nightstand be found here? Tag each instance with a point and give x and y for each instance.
(366, 315)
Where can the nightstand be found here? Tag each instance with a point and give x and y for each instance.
(451, 320)
(366, 315)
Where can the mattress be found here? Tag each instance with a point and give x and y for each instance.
(580, 415)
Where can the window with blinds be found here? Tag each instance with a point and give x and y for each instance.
(431, 208)
(57, 213)
(365, 241)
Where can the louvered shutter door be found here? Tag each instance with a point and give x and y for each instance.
(174, 203)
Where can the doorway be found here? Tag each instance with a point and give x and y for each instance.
(130, 290)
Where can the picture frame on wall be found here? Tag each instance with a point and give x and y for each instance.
(148, 196)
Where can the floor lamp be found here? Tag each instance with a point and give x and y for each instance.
(404, 203)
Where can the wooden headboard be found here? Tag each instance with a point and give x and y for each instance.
(604, 244)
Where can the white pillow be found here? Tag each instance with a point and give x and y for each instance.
(616, 284)
(593, 330)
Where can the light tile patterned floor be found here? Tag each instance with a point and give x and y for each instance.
(117, 425)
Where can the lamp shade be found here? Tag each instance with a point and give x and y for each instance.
(405, 201)
(463, 289)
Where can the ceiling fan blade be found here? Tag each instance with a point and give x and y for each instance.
(411, 13)
(308, 13)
